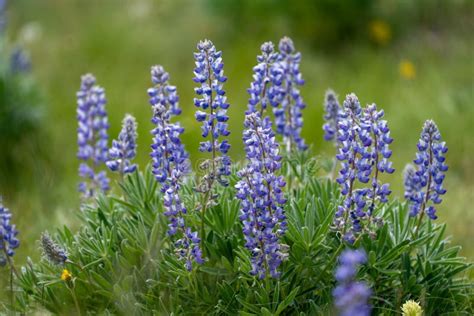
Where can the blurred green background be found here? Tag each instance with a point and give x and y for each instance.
(413, 58)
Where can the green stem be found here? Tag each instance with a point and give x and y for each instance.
(12, 295)
(80, 268)
(203, 216)
(10, 263)
(419, 222)
(267, 281)
(76, 303)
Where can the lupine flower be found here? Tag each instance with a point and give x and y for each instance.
(162, 92)
(411, 308)
(209, 73)
(168, 152)
(261, 79)
(372, 126)
(354, 156)
(8, 240)
(351, 297)
(363, 140)
(188, 248)
(124, 148)
(52, 251)
(19, 61)
(285, 95)
(262, 198)
(174, 206)
(331, 116)
(425, 187)
(92, 136)
(170, 164)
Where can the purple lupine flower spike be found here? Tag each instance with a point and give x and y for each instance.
(351, 297)
(166, 141)
(262, 198)
(92, 136)
(8, 235)
(124, 149)
(212, 102)
(354, 156)
(424, 187)
(285, 95)
(259, 88)
(171, 164)
(377, 129)
(363, 145)
(333, 111)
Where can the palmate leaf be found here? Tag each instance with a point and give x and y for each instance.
(128, 264)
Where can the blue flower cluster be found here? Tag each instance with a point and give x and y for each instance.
(170, 163)
(259, 87)
(351, 297)
(285, 96)
(209, 73)
(187, 247)
(354, 157)
(361, 135)
(377, 129)
(331, 116)
(262, 198)
(424, 187)
(8, 240)
(92, 136)
(363, 139)
(124, 148)
(168, 152)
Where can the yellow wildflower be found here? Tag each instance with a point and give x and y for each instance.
(380, 32)
(407, 69)
(66, 275)
(412, 308)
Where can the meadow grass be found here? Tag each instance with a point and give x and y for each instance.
(119, 40)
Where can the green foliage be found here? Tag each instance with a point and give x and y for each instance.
(122, 260)
(324, 23)
(329, 24)
(20, 119)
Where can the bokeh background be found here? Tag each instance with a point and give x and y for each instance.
(413, 58)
